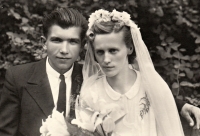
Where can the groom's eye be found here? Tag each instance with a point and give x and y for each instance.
(56, 39)
(74, 41)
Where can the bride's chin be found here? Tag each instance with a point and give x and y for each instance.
(109, 74)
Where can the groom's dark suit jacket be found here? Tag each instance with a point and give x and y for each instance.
(26, 98)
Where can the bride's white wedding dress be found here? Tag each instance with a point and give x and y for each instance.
(139, 119)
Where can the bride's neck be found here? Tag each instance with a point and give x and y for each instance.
(123, 81)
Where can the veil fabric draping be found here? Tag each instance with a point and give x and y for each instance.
(160, 96)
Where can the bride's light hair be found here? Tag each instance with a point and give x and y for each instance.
(111, 26)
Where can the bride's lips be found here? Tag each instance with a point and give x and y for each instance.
(108, 67)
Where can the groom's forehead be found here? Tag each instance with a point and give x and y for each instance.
(72, 32)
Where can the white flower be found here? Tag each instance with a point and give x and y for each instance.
(121, 17)
(99, 16)
(104, 16)
(85, 117)
(90, 114)
(54, 125)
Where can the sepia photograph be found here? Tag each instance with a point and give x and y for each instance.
(99, 68)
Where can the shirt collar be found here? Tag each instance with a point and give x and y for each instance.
(130, 94)
(54, 73)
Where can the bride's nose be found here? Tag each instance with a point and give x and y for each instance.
(107, 58)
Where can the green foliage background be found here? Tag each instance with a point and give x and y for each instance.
(170, 29)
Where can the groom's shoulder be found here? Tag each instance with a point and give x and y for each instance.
(79, 64)
(23, 68)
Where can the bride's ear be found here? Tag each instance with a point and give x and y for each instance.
(43, 41)
(130, 50)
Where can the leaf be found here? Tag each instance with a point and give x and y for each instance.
(158, 30)
(175, 85)
(195, 65)
(162, 35)
(176, 55)
(159, 11)
(185, 83)
(179, 21)
(24, 20)
(170, 39)
(10, 34)
(16, 15)
(189, 73)
(197, 50)
(182, 74)
(195, 57)
(182, 49)
(163, 43)
(152, 10)
(174, 71)
(160, 48)
(197, 85)
(185, 57)
(25, 28)
(18, 40)
(180, 97)
(177, 66)
(27, 41)
(44, 1)
(188, 64)
(197, 40)
(174, 45)
(165, 54)
(164, 63)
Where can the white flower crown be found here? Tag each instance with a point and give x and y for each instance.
(106, 16)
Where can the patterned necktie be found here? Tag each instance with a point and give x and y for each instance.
(61, 104)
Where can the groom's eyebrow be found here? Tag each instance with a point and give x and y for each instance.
(75, 39)
(55, 37)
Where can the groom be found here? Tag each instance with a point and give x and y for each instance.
(31, 91)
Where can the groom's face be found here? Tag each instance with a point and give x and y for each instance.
(63, 46)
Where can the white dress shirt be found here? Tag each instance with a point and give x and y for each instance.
(54, 81)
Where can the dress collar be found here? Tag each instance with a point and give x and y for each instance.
(130, 94)
(54, 73)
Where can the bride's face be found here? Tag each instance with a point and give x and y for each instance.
(111, 53)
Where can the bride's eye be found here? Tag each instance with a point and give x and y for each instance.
(99, 52)
(113, 51)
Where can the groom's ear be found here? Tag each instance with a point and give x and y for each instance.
(43, 41)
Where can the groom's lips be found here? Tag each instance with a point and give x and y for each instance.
(63, 58)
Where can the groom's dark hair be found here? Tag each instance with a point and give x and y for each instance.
(65, 18)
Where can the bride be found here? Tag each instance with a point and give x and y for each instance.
(148, 105)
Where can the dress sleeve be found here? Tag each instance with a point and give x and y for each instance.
(9, 107)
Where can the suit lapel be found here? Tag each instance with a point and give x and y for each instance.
(77, 79)
(39, 88)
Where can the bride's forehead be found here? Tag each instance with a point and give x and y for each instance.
(109, 38)
(106, 42)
